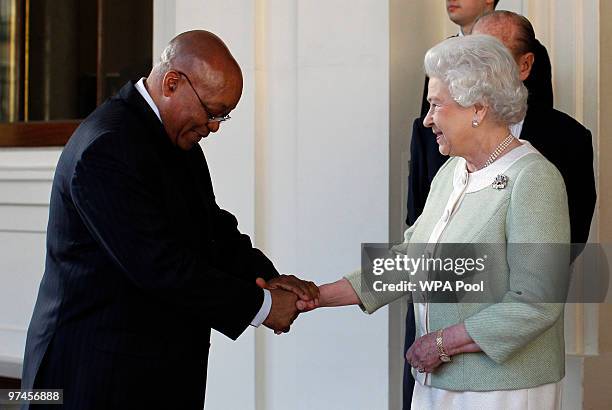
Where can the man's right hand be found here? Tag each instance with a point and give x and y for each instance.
(283, 311)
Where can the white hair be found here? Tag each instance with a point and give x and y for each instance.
(479, 69)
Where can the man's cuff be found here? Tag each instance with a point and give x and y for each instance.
(264, 311)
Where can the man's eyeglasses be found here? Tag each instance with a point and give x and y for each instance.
(211, 118)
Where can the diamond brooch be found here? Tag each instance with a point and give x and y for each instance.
(500, 182)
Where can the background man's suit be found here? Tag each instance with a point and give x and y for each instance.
(141, 264)
(560, 138)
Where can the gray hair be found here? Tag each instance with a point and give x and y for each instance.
(167, 56)
(478, 69)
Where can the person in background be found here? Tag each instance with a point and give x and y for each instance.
(464, 13)
(560, 138)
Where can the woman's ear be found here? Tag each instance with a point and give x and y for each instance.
(480, 113)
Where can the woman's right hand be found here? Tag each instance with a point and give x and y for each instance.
(339, 293)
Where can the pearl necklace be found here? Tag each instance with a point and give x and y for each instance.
(500, 148)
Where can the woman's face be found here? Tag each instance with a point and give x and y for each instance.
(450, 122)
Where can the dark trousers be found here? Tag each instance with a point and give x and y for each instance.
(408, 341)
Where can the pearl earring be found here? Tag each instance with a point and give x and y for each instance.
(475, 123)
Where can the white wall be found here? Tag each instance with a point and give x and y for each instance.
(25, 185)
(570, 31)
(339, 150)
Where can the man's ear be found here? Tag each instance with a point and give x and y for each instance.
(525, 64)
(170, 83)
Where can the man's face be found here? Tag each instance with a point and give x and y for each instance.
(191, 105)
(465, 12)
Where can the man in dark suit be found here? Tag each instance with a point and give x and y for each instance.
(564, 141)
(560, 138)
(141, 261)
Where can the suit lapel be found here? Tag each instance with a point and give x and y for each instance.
(184, 173)
(533, 127)
(130, 95)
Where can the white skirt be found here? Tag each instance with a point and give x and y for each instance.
(545, 397)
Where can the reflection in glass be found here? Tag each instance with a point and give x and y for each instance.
(51, 67)
(8, 60)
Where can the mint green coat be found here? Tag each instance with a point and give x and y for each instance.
(522, 341)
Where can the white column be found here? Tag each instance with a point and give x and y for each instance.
(570, 31)
(231, 157)
(322, 143)
(276, 178)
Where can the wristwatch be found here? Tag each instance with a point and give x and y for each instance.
(440, 345)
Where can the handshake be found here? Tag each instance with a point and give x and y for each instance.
(290, 297)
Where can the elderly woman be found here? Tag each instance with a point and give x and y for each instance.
(494, 189)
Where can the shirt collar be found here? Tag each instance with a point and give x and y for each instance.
(145, 94)
(484, 177)
(517, 128)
